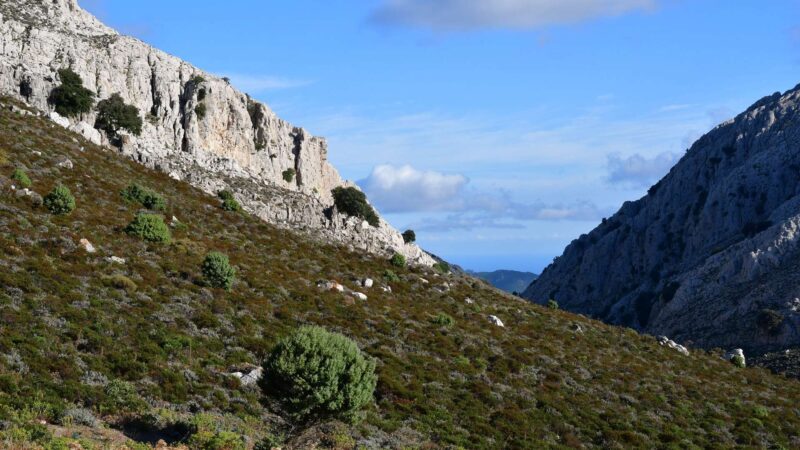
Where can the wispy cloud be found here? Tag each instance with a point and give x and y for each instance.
(405, 189)
(255, 84)
(466, 15)
(638, 170)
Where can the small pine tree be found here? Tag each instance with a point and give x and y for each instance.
(409, 236)
(316, 374)
(148, 198)
(228, 202)
(552, 304)
(218, 272)
(114, 115)
(150, 227)
(21, 178)
(288, 175)
(60, 201)
(200, 110)
(71, 98)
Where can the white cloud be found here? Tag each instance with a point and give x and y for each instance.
(404, 188)
(464, 15)
(254, 84)
(638, 170)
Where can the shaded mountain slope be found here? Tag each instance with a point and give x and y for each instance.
(709, 256)
(73, 322)
(507, 280)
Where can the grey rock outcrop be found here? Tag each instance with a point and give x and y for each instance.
(709, 257)
(237, 143)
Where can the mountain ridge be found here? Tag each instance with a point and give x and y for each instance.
(706, 255)
(237, 143)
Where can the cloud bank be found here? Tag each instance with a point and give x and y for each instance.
(467, 15)
(404, 189)
(637, 170)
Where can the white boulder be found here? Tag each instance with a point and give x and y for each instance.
(667, 342)
(87, 246)
(59, 119)
(496, 321)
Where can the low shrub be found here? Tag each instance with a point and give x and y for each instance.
(60, 200)
(71, 98)
(738, 361)
(121, 397)
(120, 282)
(442, 267)
(217, 271)
(148, 198)
(398, 260)
(390, 276)
(21, 178)
(409, 236)
(444, 320)
(150, 227)
(220, 440)
(288, 175)
(315, 374)
(200, 110)
(552, 304)
(79, 416)
(353, 202)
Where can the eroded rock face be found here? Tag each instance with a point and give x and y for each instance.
(237, 140)
(712, 246)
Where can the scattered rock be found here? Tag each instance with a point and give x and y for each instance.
(577, 328)
(360, 296)
(387, 289)
(667, 342)
(64, 163)
(496, 321)
(116, 260)
(424, 281)
(469, 301)
(88, 132)
(368, 282)
(87, 246)
(59, 119)
(252, 377)
(736, 356)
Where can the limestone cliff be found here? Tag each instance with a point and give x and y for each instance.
(710, 256)
(238, 143)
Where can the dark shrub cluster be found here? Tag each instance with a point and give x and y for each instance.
(288, 175)
(353, 202)
(148, 198)
(409, 236)
(314, 374)
(228, 202)
(71, 98)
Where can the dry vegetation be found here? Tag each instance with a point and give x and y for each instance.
(72, 323)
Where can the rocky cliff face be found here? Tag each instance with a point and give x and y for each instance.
(238, 143)
(710, 256)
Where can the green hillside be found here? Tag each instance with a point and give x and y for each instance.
(100, 350)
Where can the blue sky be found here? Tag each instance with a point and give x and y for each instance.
(499, 130)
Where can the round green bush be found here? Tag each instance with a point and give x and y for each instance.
(21, 178)
(150, 227)
(148, 198)
(409, 236)
(60, 201)
(217, 271)
(316, 374)
(398, 260)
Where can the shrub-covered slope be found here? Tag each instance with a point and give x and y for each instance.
(98, 348)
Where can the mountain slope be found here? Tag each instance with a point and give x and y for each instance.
(236, 143)
(507, 280)
(709, 256)
(73, 323)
